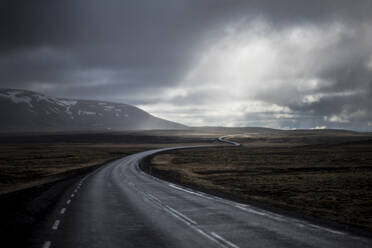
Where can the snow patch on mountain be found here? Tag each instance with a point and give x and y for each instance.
(25, 110)
(14, 96)
(67, 102)
(83, 112)
(108, 108)
(40, 97)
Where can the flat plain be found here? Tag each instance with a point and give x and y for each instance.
(325, 175)
(28, 160)
(322, 175)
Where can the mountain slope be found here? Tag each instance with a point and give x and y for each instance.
(23, 110)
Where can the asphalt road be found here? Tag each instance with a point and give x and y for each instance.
(120, 206)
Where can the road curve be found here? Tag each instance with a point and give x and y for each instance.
(119, 205)
(223, 139)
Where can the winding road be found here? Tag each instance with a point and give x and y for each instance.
(119, 205)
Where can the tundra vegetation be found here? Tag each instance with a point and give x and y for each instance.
(326, 175)
(28, 160)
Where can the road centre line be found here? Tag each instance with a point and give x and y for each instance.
(213, 236)
(222, 243)
(224, 240)
(181, 215)
(56, 225)
(47, 244)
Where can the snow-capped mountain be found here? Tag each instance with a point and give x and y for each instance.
(23, 110)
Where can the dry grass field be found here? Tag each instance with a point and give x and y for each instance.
(28, 160)
(23, 166)
(324, 174)
(321, 174)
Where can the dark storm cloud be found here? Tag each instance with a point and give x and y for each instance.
(151, 39)
(132, 51)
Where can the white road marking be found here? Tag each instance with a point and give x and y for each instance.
(147, 199)
(210, 237)
(182, 215)
(262, 213)
(47, 244)
(206, 235)
(188, 191)
(153, 197)
(178, 217)
(75, 190)
(326, 229)
(63, 210)
(213, 237)
(72, 195)
(82, 180)
(68, 201)
(55, 225)
(250, 210)
(192, 224)
(224, 240)
(281, 218)
(197, 209)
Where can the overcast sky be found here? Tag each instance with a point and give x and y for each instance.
(273, 63)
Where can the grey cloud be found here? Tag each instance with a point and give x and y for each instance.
(148, 43)
(346, 88)
(132, 51)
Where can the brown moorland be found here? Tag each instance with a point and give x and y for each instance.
(28, 160)
(322, 174)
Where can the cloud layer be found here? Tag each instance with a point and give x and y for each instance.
(283, 64)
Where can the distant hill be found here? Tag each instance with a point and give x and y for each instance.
(23, 110)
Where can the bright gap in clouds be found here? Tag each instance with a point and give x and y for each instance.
(255, 75)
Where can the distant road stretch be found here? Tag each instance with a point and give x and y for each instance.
(119, 205)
